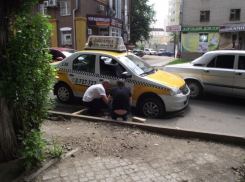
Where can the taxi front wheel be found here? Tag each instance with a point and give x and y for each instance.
(152, 108)
(64, 93)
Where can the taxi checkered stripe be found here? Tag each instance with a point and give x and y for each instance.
(113, 78)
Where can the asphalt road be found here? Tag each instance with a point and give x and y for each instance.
(212, 113)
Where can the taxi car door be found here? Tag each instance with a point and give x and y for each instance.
(219, 73)
(110, 69)
(239, 77)
(83, 71)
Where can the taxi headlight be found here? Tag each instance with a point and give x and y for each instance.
(175, 91)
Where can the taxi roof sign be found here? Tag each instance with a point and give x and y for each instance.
(105, 43)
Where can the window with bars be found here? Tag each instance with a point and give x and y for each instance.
(204, 16)
(42, 9)
(65, 8)
(235, 14)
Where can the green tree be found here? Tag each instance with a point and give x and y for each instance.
(142, 15)
(174, 37)
(26, 79)
(140, 46)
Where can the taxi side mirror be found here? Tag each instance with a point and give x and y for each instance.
(126, 75)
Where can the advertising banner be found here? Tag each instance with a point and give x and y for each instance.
(190, 42)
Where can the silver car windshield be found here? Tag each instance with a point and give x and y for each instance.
(137, 65)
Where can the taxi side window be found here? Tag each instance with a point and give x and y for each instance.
(84, 62)
(111, 67)
(241, 63)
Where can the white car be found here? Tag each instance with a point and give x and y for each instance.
(149, 51)
(221, 72)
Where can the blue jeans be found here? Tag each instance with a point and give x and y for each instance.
(115, 115)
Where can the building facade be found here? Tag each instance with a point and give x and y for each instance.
(75, 20)
(212, 25)
(174, 12)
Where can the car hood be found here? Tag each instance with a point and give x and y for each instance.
(167, 79)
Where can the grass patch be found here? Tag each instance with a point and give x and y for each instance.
(180, 61)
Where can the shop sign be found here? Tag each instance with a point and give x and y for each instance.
(98, 20)
(116, 23)
(232, 28)
(175, 28)
(200, 29)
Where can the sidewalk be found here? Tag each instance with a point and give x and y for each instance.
(113, 153)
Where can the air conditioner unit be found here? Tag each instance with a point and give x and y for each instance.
(89, 31)
(52, 3)
(101, 8)
(202, 13)
(45, 3)
(232, 11)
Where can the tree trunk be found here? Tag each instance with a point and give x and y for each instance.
(8, 140)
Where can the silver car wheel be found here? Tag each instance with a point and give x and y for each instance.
(150, 109)
(63, 94)
(195, 90)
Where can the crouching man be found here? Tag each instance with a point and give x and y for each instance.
(95, 97)
(120, 101)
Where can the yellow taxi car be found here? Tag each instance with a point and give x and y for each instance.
(154, 92)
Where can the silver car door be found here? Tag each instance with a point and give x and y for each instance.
(218, 75)
(239, 77)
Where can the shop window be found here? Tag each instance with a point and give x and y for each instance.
(65, 8)
(204, 16)
(42, 9)
(115, 32)
(203, 37)
(66, 36)
(235, 14)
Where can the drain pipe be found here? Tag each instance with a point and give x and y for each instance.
(74, 30)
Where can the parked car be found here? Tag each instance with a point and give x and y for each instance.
(165, 53)
(60, 53)
(221, 72)
(139, 52)
(161, 50)
(154, 92)
(149, 51)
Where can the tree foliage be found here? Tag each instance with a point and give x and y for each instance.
(142, 15)
(26, 79)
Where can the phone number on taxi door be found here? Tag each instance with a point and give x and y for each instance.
(78, 81)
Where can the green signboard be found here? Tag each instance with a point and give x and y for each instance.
(200, 29)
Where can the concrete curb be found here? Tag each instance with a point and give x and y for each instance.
(177, 132)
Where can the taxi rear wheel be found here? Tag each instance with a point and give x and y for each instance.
(64, 93)
(195, 88)
(152, 108)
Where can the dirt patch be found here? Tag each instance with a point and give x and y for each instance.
(106, 139)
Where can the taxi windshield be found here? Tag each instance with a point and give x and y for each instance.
(138, 66)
